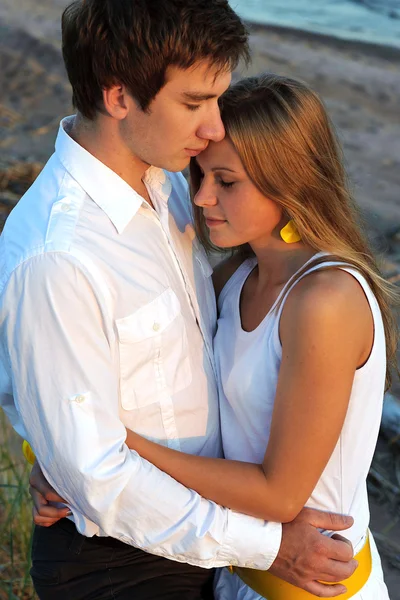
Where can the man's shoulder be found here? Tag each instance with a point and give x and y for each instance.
(44, 218)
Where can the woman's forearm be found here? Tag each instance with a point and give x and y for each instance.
(314, 386)
(240, 486)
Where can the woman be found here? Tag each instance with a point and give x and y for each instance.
(305, 334)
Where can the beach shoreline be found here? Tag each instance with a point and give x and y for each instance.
(374, 49)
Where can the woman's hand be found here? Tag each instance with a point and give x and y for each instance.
(42, 494)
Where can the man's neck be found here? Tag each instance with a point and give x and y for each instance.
(104, 143)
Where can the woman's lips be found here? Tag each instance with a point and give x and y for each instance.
(214, 222)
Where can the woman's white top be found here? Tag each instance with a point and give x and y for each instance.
(248, 365)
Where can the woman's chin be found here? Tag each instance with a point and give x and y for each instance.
(219, 242)
(222, 241)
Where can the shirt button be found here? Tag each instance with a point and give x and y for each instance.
(65, 207)
(156, 326)
(80, 399)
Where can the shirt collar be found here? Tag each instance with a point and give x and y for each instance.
(158, 181)
(111, 193)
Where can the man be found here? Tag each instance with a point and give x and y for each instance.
(107, 315)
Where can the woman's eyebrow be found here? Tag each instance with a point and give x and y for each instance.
(223, 169)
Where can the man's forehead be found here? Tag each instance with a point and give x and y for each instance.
(199, 82)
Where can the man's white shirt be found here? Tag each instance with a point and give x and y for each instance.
(107, 316)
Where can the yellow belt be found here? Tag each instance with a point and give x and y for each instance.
(274, 588)
(28, 452)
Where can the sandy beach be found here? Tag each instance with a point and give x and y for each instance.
(359, 83)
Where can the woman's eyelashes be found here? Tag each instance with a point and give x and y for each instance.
(223, 183)
(217, 179)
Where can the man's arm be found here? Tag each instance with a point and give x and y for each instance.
(60, 349)
(326, 559)
(306, 557)
(58, 340)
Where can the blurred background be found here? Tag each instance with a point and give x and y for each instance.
(347, 50)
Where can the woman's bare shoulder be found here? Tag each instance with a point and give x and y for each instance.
(328, 296)
(224, 270)
(334, 285)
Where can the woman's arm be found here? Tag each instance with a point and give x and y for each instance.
(326, 332)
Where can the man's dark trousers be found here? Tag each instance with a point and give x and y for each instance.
(69, 566)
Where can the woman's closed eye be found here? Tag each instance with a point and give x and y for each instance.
(223, 183)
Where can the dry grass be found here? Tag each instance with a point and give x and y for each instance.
(15, 519)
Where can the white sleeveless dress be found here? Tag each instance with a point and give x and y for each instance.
(248, 365)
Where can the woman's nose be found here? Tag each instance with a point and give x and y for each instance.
(206, 195)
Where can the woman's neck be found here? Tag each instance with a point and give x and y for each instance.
(278, 262)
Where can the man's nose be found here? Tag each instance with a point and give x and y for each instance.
(212, 128)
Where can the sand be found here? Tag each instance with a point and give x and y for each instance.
(360, 85)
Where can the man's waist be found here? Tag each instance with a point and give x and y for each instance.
(69, 525)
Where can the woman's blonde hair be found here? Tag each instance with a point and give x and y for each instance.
(286, 142)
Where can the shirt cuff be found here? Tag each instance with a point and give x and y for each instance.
(251, 542)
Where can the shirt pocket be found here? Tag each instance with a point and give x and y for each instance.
(154, 352)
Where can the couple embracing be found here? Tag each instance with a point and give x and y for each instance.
(113, 365)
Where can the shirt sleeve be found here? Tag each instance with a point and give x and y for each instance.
(59, 343)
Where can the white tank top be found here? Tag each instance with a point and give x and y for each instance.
(248, 364)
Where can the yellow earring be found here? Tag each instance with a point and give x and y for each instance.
(289, 233)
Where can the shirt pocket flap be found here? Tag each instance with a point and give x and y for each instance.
(149, 320)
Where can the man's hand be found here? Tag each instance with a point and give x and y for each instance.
(306, 557)
(42, 495)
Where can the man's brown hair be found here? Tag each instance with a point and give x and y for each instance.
(132, 43)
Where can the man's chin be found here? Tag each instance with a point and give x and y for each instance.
(180, 166)
(175, 166)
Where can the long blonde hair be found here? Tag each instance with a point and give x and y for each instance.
(286, 142)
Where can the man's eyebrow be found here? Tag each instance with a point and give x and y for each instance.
(197, 96)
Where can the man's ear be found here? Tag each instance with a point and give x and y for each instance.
(116, 101)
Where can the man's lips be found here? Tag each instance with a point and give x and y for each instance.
(194, 151)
